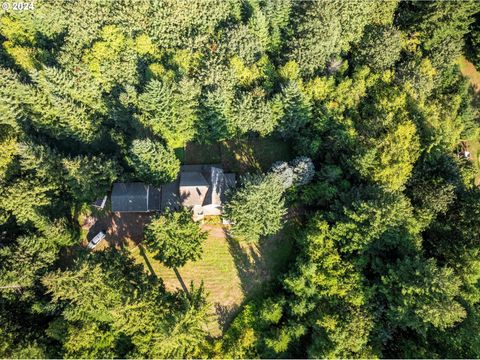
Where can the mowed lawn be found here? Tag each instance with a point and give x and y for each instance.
(230, 271)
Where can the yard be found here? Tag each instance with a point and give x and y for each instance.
(231, 271)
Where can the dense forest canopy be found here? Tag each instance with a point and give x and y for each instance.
(367, 94)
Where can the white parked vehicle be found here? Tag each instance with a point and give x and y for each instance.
(94, 242)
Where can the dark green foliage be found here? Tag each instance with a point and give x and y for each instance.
(326, 29)
(441, 26)
(152, 162)
(379, 48)
(175, 238)
(296, 112)
(257, 208)
(170, 110)
(111, 309)
(473, 42)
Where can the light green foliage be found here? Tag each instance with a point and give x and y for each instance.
(241, 339)
(390, 163)
(111, 59)
(246, 76)
(347, 335)
(322, 276)
(9, 150)
(418, 77)
(257, 208)
(19, 30)
(245, 338)
(170, 110)
(152, 162)
(175, 238)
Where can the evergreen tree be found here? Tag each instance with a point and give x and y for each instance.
(175, 238)
(257, 208)
(170, 110)
(152, 162)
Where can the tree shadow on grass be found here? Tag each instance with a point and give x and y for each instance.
(147, 261)
(225, 314)
(259, 263)
(238, 156)
(180, 280)
(251, 264)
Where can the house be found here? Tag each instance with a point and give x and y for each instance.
(200, 188)
(135, 197)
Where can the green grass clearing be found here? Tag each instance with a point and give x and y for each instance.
(231, 272)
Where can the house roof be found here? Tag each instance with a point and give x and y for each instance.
(170, 198)
(129, 197)
(193, 188)
(215, 177)
(197, 185)
(155, 199)
(135, 197)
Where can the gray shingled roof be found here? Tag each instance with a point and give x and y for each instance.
(155, 198)
(130, 197)
(170, 197)
(193, 188)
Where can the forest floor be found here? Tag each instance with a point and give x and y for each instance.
(230, 270)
